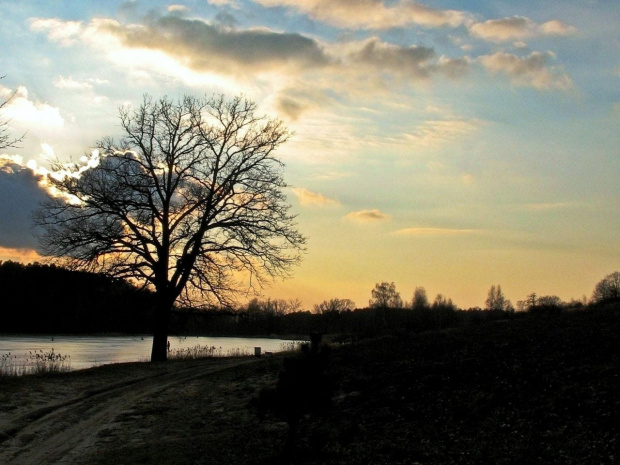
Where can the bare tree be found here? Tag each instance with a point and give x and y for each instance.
(334, 306)
(188, 202)
(273, 307)
(6, 141)
(384, 295)
(497, 301)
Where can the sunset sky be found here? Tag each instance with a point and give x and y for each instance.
(448, 144)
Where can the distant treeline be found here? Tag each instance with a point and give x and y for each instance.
(46, 299)
(39, 298)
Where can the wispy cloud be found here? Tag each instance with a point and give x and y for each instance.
(434, 232)
(518, 28)
(69, 83)
(368, 216)
(532, 71)
(309, 198)
(373, 14)
(545, 207)
(434, 132)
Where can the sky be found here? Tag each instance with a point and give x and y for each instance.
(452, 145)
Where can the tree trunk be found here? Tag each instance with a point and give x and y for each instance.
(159, 352)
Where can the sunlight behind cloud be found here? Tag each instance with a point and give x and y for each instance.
(28, 112)
(25, 255)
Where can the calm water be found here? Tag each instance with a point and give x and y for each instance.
(89, 351)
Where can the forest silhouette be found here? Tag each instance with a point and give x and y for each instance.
(48, 299)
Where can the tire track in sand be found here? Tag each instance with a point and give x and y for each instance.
(62, 432)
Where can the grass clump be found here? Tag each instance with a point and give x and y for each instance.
(200, 351)
(291, 346)
(34, 363)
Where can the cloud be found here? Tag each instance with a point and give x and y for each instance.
(557, 28)
(204, 47)
(20, 193)
(518, 28)
(31, 113)
(20, 255)
(531, 71)
(201, 54)
(373, 14)
(66, 33)
(309, 198)
(198, 53)
(69, 83)
(176, 8)
(380, 55)
(383, 61)
(368, 216)
(434, 232)
(435, 132)
(222, 2)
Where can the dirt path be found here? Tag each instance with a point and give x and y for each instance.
(59, 420)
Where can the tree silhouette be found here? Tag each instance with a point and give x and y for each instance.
(334, 306)
(443, 303)
(384, 295)
(420, 300)
(497, 301)
(187, 202)
(607, 289)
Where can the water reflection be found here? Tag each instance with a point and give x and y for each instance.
(89, 351)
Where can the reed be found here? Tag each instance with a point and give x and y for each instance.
(34, 363)
(198, 351)
(291, 346)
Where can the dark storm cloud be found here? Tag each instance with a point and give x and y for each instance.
(20, 194)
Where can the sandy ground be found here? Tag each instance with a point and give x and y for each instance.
(70, 418)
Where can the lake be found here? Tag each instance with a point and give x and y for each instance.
(89, 351)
